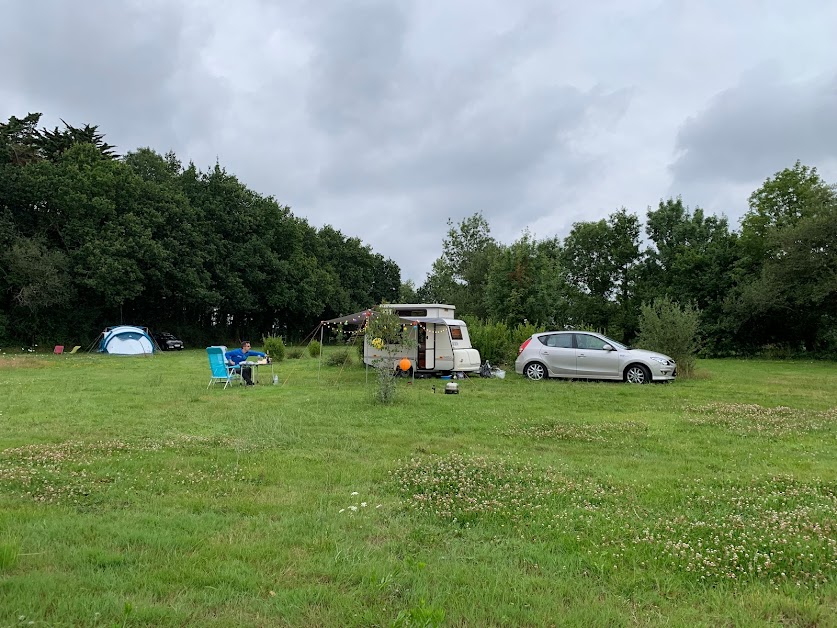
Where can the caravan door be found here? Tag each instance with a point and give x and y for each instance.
(426, 359)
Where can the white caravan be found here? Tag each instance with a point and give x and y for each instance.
(442, 341)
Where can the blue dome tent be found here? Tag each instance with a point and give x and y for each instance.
(127, 340)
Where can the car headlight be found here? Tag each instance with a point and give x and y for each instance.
(660, 360)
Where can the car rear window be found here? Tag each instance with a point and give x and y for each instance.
(558, 341)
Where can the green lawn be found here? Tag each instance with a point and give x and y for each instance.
(132, 495)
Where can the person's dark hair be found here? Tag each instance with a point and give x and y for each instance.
(246, 342)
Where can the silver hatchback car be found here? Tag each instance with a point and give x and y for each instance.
(584, 354)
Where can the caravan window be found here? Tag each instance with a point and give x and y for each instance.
(455, 333)
(412, 313)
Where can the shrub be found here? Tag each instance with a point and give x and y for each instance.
(274, 347)
(520, 334)
(669, 328)
(391, 337)
(492, 340)
(314, 348)
(387, 383)
(339, 358)
(294, 353)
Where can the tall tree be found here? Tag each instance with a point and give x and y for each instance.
(779, 203)
(601, 259)
(460, 275)
(692, 260)
(527, 283)
(785, 294)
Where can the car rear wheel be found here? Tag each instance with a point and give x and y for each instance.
(535, 371)
(637, 374)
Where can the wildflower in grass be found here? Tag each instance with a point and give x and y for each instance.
(772, 528)
(749, 419)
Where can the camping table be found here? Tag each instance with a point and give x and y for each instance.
(254, 369)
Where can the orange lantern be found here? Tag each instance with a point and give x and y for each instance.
(404, 364)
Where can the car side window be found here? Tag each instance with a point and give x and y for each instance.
(560, 341)
(588, 342)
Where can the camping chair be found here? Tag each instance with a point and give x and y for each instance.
(76, 348)
(221, 371)
(59, 349)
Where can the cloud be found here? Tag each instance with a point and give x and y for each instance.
(760, 126)
(134, 69)
(444, 139)
(385, 119)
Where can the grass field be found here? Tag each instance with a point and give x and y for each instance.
(132, 495)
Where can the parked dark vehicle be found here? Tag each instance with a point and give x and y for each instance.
(168, 342)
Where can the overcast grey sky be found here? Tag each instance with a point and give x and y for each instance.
(386, 118)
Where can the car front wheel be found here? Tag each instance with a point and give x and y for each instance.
(637, 374)
(535, 371)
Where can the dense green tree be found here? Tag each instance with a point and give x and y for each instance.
(460, 275)
(692, 260)
(601, 260)
(526, 283)
(781, 202)
(89, 240)
(785, 292)
(19, 140)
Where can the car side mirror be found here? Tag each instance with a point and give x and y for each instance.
(607, 348)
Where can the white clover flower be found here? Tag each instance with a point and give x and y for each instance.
(353, 508)
(354, 493)
(363, 504)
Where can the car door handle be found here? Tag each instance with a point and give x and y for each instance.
(580, 355)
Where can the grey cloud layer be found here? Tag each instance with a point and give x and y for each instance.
(758, 127)
(385, 118)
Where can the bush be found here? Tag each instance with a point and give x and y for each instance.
(314, 348)
(519, 335)
(294, 353)
(274, 347)
(667, 327)
(387, 385)
(391, 337)
(339, 357)
(492, 340)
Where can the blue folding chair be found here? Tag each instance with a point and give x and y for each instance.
(221, 370)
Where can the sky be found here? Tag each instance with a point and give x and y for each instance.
(386, 119)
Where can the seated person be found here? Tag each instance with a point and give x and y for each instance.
(237, 356)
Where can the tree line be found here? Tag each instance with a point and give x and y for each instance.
(90, 239)
(772, 285)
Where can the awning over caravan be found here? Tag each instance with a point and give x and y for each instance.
(425, 319)
(358, 318)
